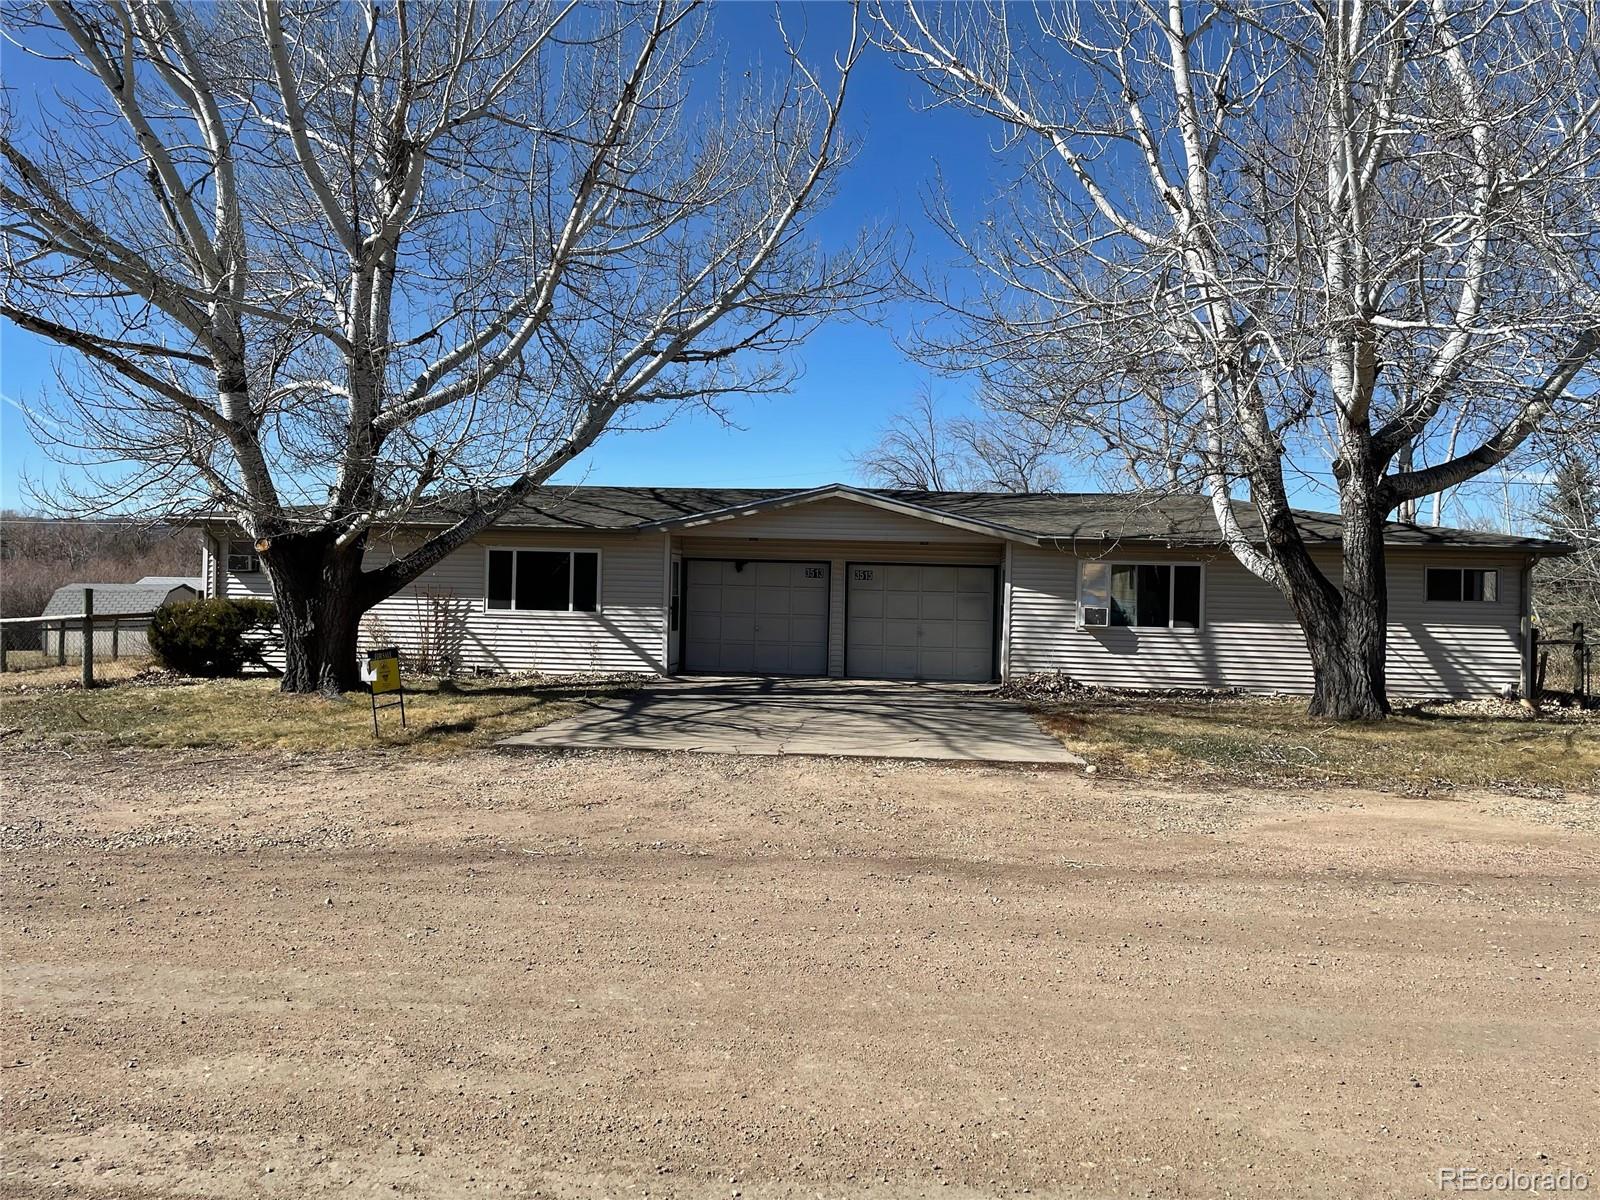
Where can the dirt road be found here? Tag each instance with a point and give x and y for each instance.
(241, 976)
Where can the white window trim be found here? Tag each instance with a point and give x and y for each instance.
(1495, 571)
(569, 611)
(228, 556)
(1169, 628)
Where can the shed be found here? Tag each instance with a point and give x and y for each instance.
(128, 607)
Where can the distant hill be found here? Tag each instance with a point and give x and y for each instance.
(39, 554)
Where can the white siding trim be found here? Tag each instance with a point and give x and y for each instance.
(666, 601)
(1005, 616)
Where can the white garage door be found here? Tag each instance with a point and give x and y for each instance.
(763, 618)
(920, 622)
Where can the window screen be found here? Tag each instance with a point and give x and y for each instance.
(1146, 595)
(242, 557)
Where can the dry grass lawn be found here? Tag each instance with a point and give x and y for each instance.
(154, 710)
(1270, 740)
(1250, 740)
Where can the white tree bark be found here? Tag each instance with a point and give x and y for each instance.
(317, 266)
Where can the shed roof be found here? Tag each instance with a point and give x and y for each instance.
(110, 598)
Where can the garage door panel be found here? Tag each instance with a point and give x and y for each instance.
(773, 599)
(771, 630)
(768, 617)
(899, 578)
(810, 630)
(899, 662)
(900, 634)
(973, 664)
(902, 606)
(810, 601)
(974, 635)
(975, 579)
(970, 606)
(920, 621)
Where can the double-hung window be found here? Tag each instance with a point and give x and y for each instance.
(1140, 595)
(242, 557)
(1451, 585)
(544, 580)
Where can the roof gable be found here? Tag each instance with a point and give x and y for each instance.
(841, 491)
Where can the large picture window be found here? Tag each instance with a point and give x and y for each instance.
(1140, 595)
(544, 580)
(1471, 584)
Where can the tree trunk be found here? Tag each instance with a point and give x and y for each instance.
(317, 586)
(1346, 630)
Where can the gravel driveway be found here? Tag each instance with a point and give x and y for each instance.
(676, 975)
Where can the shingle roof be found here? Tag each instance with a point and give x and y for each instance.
(1068, 516)
(193, 581)
(109, 598)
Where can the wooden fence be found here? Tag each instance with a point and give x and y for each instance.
(1573, 661)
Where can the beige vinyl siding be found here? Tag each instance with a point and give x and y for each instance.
(1466, 649)
(837, 554)
(443, 609)
(1249, 638)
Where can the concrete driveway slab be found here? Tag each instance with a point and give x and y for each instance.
(814, 717)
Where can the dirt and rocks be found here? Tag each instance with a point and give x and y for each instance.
(232, 975)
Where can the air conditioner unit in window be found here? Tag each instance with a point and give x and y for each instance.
(1094, 616)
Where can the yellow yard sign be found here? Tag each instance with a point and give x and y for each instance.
(383, 678)
(385, 671)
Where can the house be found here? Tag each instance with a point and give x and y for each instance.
(122, 614)
(1117, 590)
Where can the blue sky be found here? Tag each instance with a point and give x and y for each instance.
(853, 375)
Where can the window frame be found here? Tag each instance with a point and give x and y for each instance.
(1172, 587)
(254, 556)
(572, 581)
(1462, 596)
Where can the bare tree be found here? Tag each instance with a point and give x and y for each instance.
(1567, 508)
(317, 262)
(915, 450)
(1353, 242)
(921, 449)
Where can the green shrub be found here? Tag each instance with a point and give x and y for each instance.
(211, 638)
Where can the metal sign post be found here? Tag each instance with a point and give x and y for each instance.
(383, 669)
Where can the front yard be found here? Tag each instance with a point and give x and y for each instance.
(150, 708)
(1228, 738)
(1235, 738)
